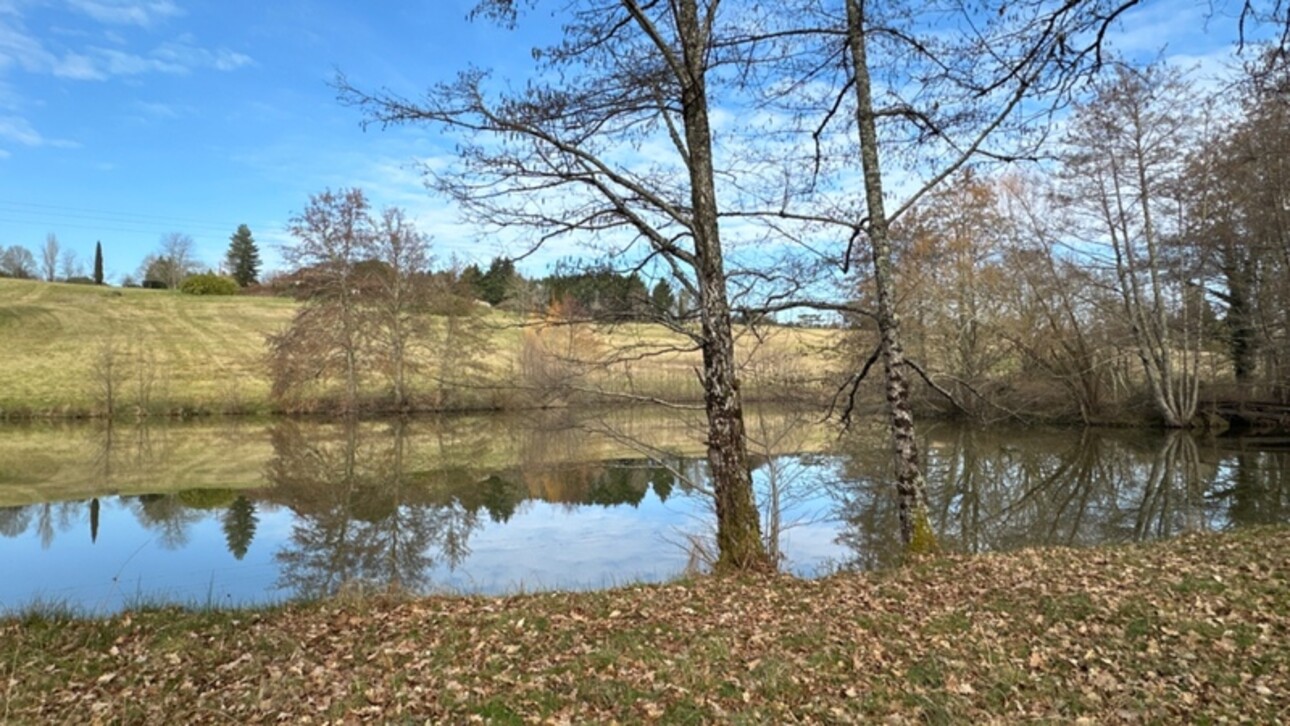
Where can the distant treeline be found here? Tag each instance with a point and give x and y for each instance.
(569, 292)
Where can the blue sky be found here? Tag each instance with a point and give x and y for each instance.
(123, 120)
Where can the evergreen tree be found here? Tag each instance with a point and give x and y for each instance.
(495, 284)
(243, 256)
(662, 298)
(98, 263)
(239, 524)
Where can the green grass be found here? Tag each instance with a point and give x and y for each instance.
(1047, 636)
(206, 354)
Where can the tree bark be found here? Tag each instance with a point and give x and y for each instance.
(915, 526)
(739, 540)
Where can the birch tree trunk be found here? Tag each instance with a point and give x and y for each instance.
(915, 526)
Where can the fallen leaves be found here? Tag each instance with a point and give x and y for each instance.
(1195, 629)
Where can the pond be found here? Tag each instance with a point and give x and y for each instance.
(239, 513)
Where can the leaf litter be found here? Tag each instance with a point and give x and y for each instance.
(1194, 629)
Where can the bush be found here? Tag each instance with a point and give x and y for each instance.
(208, 283)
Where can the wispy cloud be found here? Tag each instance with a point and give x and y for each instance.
(157, 110)
(21, 49)
(143, 13)
(18, 130)
(185, 53)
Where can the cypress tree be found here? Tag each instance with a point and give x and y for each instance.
(98, 263)
(243, 256)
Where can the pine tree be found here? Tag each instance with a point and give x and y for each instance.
(98, 263)
(239, 522)
(243, 256)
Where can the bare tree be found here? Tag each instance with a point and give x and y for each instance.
(177, 249)
(17, 261)
(49, 257)
(327, 337)
(108, 374)
(461, 339)
(400, 286)
(1125, 154)
(70, 266)
(550, 158)
(877, 86)
(1237, 186)
(1059, 329)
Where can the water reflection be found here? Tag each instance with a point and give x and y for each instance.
(1000, 490)
(374, 509)
(362, 515)
(253, 512)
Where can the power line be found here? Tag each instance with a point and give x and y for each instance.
(34, 213)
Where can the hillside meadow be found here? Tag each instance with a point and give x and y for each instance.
(170, 353)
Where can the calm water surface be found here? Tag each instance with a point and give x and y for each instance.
(235, 514)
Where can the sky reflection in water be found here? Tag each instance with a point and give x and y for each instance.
(266, 512)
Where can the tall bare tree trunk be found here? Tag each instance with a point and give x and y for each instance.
(738, 527)
(915, 526)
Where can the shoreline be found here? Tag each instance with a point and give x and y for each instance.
(1179, 630)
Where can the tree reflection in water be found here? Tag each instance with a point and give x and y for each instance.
(1000, 490)
(359, 519)
(379, 507)
(394, 504)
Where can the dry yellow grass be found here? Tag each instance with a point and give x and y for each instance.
(195, 353)
(206, 349)
(62, 461)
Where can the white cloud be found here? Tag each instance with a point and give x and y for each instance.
(76, 67)
(20, 131)
(185, 54)
(143, 13)
(22, 49)
(159, 110)
(227, 60)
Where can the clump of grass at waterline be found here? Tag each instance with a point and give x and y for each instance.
(1196, 629)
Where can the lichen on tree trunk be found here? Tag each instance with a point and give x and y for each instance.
(915, 525)
(739, 542)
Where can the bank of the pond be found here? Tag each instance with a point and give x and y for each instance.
(1194, 629)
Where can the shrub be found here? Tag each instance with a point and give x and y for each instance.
(208, 283)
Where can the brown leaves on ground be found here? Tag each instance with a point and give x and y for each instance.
(1188, 630)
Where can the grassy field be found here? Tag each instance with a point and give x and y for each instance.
(177, 353)
(1195, 630)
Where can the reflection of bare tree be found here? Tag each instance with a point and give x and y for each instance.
(992, 490)
(786, 485)
(1253, 484)
(167, 515)
(321, 475)
(1172, 492)
(363, 516)
(54, 517)
(15, 520)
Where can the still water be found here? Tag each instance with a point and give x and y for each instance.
(102, 518)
